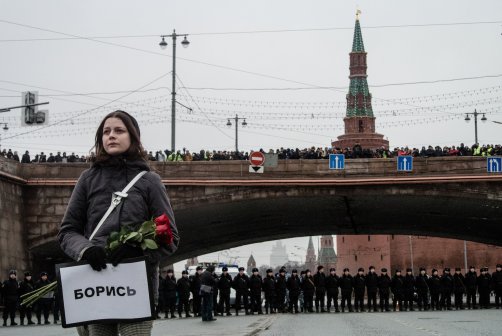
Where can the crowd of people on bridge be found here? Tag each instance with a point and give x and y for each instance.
(298, 292)
(355, 152)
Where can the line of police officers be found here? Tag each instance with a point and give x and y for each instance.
(12, 289)
(304, 291)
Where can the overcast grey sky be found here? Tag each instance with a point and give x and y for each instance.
(406, 41)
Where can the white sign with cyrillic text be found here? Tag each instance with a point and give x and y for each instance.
(113, 294)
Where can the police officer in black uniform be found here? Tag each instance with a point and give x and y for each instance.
(471, 280)
(195, 288)
(216, 311)
(372, 288)
(409, 289)
(183, 286)
(294, 287)
(459, 288)
(241, 286)
(45, 303)
(169, 291)
(435, 289)
(359, 287)
(422, 286)
(384, 284)
(397, 290)
(281, 286)
(346, 286)
(484, 288)
(308, 287)
(332, 284)
(10, 293)
(269, 289)
(255, 286)
(26, 286)
(446, 289)
(320, 288)
(497, 286)
(224, 286)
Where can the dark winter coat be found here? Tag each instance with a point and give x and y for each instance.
(91, 198)
(294, 285)
(359, 284)
(26, 286)
(207, 279)
(10, 290)
(169, 284)
(280, 285)
(446, 284)
(320, 281)
(255, 284)
(269, 285)
(471, 279)
(183, 287)
(435, 284)
(459, 283)
(332, 284)
(397, 285)
(421, 283)
(484, 283)
(346, 284)
(225, 284)
(308, 285)
(241, 283)
(409, 284)
(195, 283)
(384, 284)
(497, 281)
(371, 282)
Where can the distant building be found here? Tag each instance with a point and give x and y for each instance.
(327, 254)
(356, 251)
(359, 119)
(397, 251)
(192, 262)
(251, 264)
(311, 260)
(279, 256)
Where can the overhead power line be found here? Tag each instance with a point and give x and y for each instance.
(434, 81)
(250, 32)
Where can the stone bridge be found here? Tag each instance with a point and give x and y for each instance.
(220, 204)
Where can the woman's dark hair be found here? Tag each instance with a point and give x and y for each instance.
(135, 151)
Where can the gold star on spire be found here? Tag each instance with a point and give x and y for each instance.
(358, 13)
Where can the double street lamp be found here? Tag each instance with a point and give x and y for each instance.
(163, 45)
(475, 115)
(236, 120)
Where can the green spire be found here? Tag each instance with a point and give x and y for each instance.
(357, 44)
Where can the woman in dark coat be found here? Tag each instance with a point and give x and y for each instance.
(119, 158)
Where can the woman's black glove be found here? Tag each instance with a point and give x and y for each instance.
(96, 256)
(124, 251)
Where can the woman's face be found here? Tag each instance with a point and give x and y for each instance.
(116, 138)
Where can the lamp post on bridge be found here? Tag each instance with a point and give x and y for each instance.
(244, 124)
(163, 45)
(475, 115)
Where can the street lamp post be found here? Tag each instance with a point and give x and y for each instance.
(163, 45)
(475, 115)
(244, 124)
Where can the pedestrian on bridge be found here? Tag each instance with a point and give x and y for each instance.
(372, 288)
(471, 279)
(446, 289)
(435, 289)
(346, 286)
(397, 287)
(320, 288)
(384, 284)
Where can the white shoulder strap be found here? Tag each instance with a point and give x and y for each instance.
(117, 198)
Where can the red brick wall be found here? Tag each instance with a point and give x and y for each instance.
(356, 251)
(428, 252)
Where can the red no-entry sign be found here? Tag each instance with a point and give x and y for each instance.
(257, 159)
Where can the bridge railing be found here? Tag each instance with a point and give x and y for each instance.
(355, 168)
